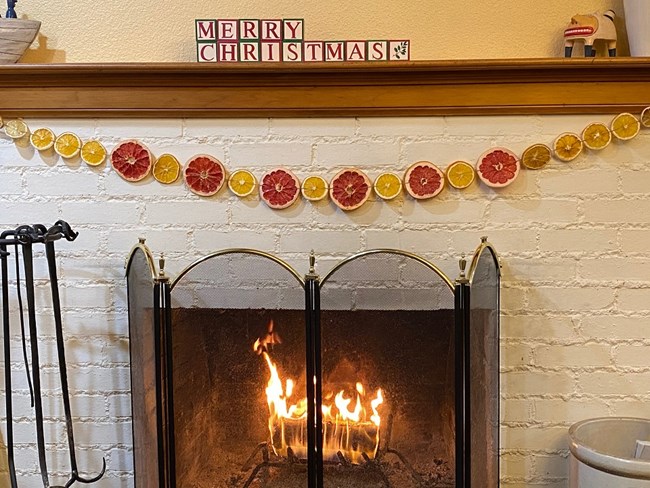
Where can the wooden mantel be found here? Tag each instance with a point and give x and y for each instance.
(521, 86)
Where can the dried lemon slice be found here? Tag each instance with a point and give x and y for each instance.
(596, 136)
(645, 117)
(314, 188)
(42, 139)
(567, 146)
(388, 186)
(242, 182)
(536, 156)
(625, 126)
(16, 128)
(67, 145)
(93, 153)
(460, 174)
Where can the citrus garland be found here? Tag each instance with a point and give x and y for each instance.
(350, 188)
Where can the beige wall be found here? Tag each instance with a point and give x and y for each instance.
(163, 31)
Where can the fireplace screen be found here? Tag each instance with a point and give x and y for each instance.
(381, 373)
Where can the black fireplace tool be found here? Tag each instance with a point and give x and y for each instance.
(24, 237)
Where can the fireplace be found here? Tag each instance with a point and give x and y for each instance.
(381, 373)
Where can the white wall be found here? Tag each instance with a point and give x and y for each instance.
(573, 238)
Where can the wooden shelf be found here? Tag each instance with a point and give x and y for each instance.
(521, 86)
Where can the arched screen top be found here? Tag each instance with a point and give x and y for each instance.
(142, 259)
(233, 277)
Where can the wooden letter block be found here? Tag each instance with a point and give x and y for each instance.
(399, 50)
(291, 51)
(228, 52)
(271, 30)
(249, 30)
(227, 30)
(206, 52)
(334, 51)
(377, 50)
(249, 51)
(206, 30)
(293, 29)
(313, 51)
(271, 51)
(355, 50)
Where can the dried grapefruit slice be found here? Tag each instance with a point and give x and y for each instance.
(350, 188)
(424, 180)
(498, 167)
(16, 128)
(314, 188)
(42, 139)
(67, 145)
(625, 126)
(132, 160)
(204, 175)
(166, 169)
(388, 186)
(460, 174)
(242, 183)
(93, 153)
(645, 117)
(567, 146)
(596, 136)
(279, 188)
(536, 156)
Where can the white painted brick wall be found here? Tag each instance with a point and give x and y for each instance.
(574, 239)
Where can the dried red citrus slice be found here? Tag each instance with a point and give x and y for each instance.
(204, 175)
(132, 160)
(350, 188)
(279, 188)
(498, 167)
(424, 180)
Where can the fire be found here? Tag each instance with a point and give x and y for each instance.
(351, 419)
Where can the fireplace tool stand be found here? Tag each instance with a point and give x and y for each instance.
(23, 240)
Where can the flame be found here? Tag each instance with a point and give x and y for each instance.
(348, 430)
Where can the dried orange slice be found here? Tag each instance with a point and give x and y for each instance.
(567, 146)
(42, 139)
(67, 145)
(132, 160)
(279, 188)
(2, 123)
(166, 169)
(424, 180)
(16, 128)
(596, 136)
(388, 186)
(314, 188)
(536, 156)
(204, 175)
(498, 167)
(645, 117)
(625, 126)
(242, 183)
(460, 174)
(350, 188)
(93, 153)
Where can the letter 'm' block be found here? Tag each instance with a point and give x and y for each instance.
(334, 51)
(206, 29)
